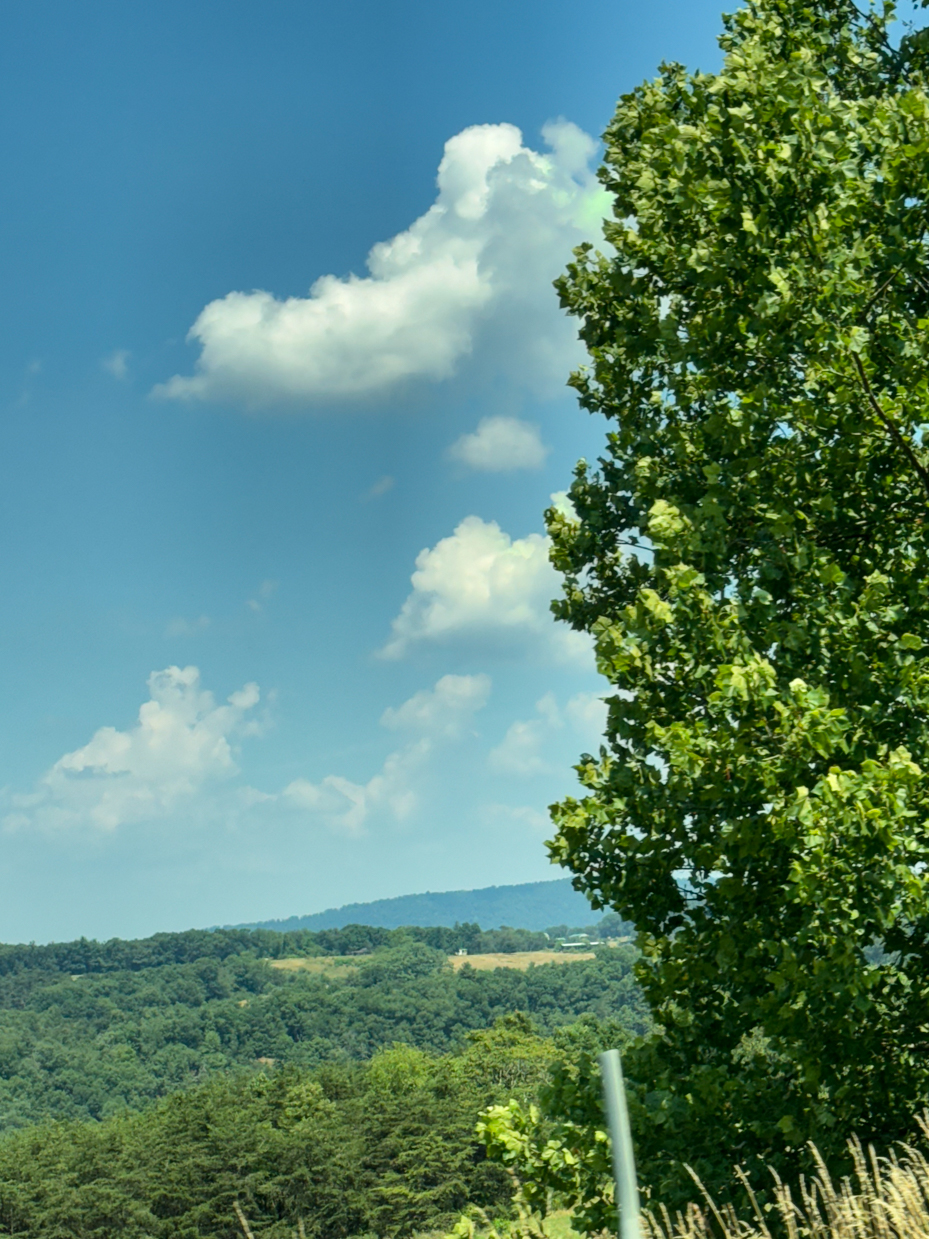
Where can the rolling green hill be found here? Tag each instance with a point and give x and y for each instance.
(530, 905)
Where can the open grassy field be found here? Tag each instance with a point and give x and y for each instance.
(330, 965)
(517, 959)
(339, 965)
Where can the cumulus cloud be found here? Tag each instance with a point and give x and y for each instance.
(563, 505)
(179, 762)
(472, 274)
(519, 752)
(432, 715)
(523, 750)
(442, 710)
(481, 583)
(345, 806)
(499, 445)
(181, 743)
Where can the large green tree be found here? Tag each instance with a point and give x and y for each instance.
(752, 559)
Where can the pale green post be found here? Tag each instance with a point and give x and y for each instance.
(627, 1190)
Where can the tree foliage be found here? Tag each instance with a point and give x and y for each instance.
(752, 559)
(89, 1045)
(383, 1148)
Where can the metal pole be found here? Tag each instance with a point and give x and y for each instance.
(627, 1191)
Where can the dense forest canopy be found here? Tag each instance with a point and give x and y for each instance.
(145, 1087)
(385, 1147)
(91, 1029)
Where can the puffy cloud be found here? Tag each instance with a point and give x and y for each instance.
(473, 273)
(437, 713)
(500, 444)
(182, 742)
(345, 806)
(521, 752)
(563, 505)
(179, 761)
(481, 583)
(442, 710)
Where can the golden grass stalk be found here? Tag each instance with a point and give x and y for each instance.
(883, 1198)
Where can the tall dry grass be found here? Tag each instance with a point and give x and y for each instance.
(883, 1198)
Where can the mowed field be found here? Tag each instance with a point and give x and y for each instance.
(331, 965)
(338, 965)
(517, 959)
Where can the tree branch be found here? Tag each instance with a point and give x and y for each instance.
(890, 425)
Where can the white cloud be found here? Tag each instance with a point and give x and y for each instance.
(562, 504)
(435, 714)
(442, 710)
(587, 713)
(117, 363)
(480, 583)
(182, 742)
(519, 753)
(501, 444)
(346, 806)
(179, 761)
(517, 815)
(522, 750)
(473, 273)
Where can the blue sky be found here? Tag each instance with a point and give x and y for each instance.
(274, 610)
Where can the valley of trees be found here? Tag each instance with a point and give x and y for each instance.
(383, 1147)
(146, 1086)
(143, 1019)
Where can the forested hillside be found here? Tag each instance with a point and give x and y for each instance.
(385, 1147)
(89, 1030)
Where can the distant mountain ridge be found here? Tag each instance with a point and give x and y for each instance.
(529, 905)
